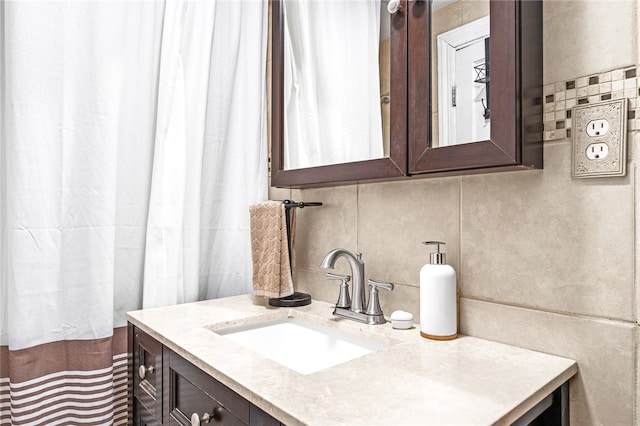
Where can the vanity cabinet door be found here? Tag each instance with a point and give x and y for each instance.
(147, 378)
(192, 391)
(169, 390)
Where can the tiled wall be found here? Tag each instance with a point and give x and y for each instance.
(544, 261)
(560, 97)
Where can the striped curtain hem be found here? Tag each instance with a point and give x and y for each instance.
(67, 383)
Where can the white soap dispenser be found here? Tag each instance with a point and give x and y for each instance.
(438, 298)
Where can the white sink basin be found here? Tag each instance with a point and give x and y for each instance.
(301, 345)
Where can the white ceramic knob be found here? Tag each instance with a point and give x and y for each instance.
(206, 417)
(195, 419)
(142, 371)
(393, 6)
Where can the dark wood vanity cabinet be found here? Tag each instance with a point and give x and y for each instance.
(169, 390)
(147, 377)
(191, 390)
(174, 390)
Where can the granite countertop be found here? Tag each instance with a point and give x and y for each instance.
(412, 381)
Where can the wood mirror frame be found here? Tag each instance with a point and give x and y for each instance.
(394, 166)
(516, 94)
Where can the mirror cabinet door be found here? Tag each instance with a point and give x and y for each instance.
(339, 92)
(475, 85)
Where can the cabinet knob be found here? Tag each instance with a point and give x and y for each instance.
(195, 419)
(206, 417)
(142, 371)
(393, 6)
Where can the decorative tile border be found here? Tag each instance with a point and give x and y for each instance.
(559, 98)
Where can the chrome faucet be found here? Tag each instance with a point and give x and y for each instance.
(357, 270)
(358, 310)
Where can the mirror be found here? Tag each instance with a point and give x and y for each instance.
(461, 72)
(336, 78)
(505, 102)
(507, 133)
(336, 114)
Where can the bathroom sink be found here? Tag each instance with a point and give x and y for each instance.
(303, 345)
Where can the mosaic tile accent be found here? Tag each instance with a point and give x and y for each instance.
(560, 97)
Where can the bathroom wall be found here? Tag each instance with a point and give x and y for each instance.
(544, 261)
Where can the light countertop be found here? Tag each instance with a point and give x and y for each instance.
(466, 381)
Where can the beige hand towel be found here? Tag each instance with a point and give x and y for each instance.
(269, 250)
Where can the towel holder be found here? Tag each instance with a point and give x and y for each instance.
(297, 298)
(291, 204)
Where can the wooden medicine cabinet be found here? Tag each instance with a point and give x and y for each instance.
(506, 86)
(414, 56)
(322, 53)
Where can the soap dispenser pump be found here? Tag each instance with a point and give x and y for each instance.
(438, 297)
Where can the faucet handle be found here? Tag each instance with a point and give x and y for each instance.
(373, 308)
(344, 301)
(374, 284)
(344, 278)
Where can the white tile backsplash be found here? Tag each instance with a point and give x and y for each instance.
(588, 89)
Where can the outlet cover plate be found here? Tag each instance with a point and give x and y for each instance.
(615, 161)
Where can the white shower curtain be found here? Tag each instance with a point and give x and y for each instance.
(331, 82)
(132, 141)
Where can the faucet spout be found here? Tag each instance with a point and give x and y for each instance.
(357, 271)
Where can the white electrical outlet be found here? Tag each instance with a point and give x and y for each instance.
(597, 151)
(597, 127)
(599, 134)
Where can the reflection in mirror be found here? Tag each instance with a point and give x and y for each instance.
(461, 92)
(384, 63)
(336, 82)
